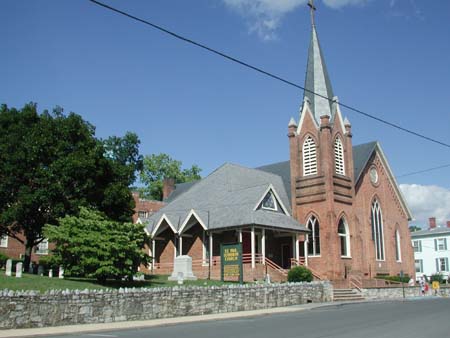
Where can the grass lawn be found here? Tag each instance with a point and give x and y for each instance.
(42, 284)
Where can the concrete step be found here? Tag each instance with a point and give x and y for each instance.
(346, 295)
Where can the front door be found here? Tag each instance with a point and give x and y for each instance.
(286, 256)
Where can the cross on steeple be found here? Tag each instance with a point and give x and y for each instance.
(313, 8)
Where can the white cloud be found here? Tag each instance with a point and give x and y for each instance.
(427, 201)
(265, 16)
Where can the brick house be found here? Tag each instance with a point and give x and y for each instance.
(334, 207)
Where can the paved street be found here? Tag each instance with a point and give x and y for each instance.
(410, 319)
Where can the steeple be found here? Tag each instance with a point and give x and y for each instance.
(317, 79)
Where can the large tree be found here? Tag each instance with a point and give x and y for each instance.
(157, 167)
(91, 245)
(52, 164)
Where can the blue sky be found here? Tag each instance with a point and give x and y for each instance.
(388, 58)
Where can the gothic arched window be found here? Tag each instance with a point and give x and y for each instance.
(377, 230)
(398, 251)
(339, 157)
(344, 237)
(314, 237)
(309, 157)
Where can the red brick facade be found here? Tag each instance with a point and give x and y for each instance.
(330, 196)
(144, 208)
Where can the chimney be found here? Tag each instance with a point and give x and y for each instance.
(448, 224)
(432, 222)
(168, 187)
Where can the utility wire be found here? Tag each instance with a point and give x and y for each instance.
(259, 70)
(424, 171)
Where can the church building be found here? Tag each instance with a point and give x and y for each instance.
(333, 207)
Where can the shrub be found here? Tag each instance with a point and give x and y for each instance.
(300, 274)
(3, 259)
(404, 279)
(438, 277)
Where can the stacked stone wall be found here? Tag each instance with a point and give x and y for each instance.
(56, 308)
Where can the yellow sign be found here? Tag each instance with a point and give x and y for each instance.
(435, 285)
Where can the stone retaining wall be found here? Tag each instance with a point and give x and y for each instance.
(55, 308)
(397, 292)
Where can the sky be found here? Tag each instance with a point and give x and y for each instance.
(388, 58)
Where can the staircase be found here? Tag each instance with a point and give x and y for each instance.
(346, 295)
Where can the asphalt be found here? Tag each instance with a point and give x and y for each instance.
(108, 327)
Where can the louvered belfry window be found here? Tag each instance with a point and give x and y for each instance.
(309, 157)
(339, 156)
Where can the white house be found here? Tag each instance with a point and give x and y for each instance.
(432, 249)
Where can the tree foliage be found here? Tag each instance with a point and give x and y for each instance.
(52, 164)
(157, 167)
(93, 246)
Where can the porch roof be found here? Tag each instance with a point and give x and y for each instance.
(229, 197)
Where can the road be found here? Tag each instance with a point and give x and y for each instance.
(409, 319)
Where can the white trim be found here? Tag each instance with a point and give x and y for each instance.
(339, 158)
(346, 236)
(398, 247)
(277, 197)
(306, 109)
(163, 218)
(186, 220)
(309, 156)
(263, 245)
(252, 240)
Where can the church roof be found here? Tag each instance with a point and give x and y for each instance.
(229, 197)
(318, 81)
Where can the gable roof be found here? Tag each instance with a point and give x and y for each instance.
(438, 231)
(227, 198)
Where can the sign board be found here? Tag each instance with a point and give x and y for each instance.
(231, 258)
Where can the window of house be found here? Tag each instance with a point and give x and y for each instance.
(377, 230)
(419, 265)
(269, 202)
(442, 264)
(314, 237)
(339, 156)
(417, 246)
(440, 244)
(42, 248)
(142, 214)
(309, 157)
(344, 237)
(4, 241)
(398, 252)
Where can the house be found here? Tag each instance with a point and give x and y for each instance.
(432, 249)
(332, 206)
(144, 208)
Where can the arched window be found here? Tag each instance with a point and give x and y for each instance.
(377, 230)
(344, 237)
(309, 157)
(314, 237)
(398, 251)
(339, 157)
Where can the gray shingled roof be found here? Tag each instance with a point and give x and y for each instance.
(317, 80)
(361, 155)
(431, 232)
(227, 198)
(179, 189)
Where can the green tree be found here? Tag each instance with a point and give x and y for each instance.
(51, 164)
(158, 167)
(93, 246)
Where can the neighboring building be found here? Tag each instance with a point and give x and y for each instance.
(432, 250)
(144, 208)
(346, 197)
(15, 249)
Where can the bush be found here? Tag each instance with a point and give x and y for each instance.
(404, 279)
(438, 277)
(300, 274)
(3, 259)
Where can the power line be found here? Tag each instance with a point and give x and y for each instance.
(259, 70)
(424, 171)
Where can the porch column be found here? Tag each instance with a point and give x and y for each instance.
(263, 246)
(180, 246)
(175, 248)
(210, 249)
(297, 249)
(240, 235)
(253, 246)
(153, 254)
(204, 248)
(306, 249)
(294, 248)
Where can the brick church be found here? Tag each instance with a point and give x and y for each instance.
(332, 206)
